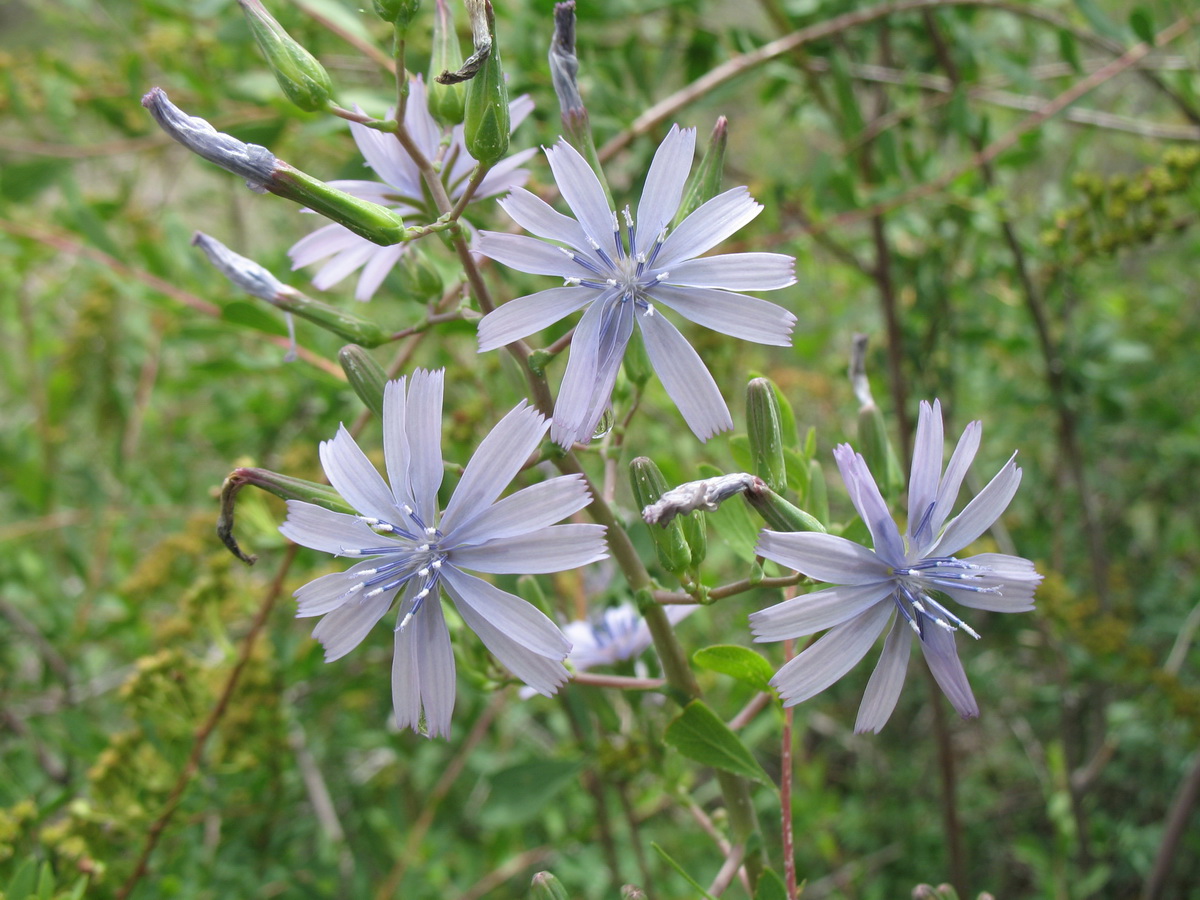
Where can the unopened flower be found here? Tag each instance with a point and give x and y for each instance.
(402, 189)
(621, 270)
(411, 554)
(902, 581)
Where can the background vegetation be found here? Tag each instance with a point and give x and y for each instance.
(1027, 258)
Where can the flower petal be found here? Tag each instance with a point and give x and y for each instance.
(323, 529)
(526, 510)
(387, 158)
(353, 476)
(883, 690)
(423, 427)
(685, 377)
(502, 177)
(942, 658)
(982, 511)
(529, 254)
(554, 548)
(584, 194)
(343, 629)
(519, 620)
(596, 352)
(1013, 578)
(707, 226)
(831, 657)
(825, 557)
(343, 263)
(737, 315)
(664, 183)
(538, 217)
(525, 315)
(327, 593)
(376, 269)
(810, 613)
(325, 241)
(423, 672)
(396, 453)
(736, 272)
(926, 471)
(956, 470)
(864, 494)
(495, 462)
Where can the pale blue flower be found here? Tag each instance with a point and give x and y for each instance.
(623, 273)
(620, 633)
(403, 190)
(411, 553)
(900, 581)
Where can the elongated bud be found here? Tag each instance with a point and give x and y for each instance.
(264, 172)
(778, 513)
(486, 122)
(873, 438)
(283, 486)
(397, 12)
(818, 496)
(346, 326)
(365, 375)
(564, 71)
(445, 100)
(636, 363)
(669, 542)
(244, 273)
(706, 494)
(546, 887)
(705, 182)
(302, 78)
(695, 532)
(765, 428)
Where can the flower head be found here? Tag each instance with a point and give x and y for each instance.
(621, 269)
(411, 554)
(402, 190)
(900, 581)
(620, 633)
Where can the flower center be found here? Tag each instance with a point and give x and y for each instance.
(914, 584)
(632, 272)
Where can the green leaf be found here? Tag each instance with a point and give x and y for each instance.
(1069, 50)
(520, 792)
(770, 886)
(699, 734)
(1142, 25)
(737, 662)
(23, 181)
(1099, 21)
(678, 868)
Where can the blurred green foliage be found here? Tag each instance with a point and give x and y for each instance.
(1052, 294)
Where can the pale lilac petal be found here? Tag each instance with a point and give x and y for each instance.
(330, 532)
(982, 511)
(519, 109)
(942, 658)
(825, 557)
(423, 425)
(426, 132)
(664, 183)
(495, 462)
(687, 380)
(1012, 577)
(376, 269)
(831, 657)
(343, 264)
(396, 453)
(865, 496)
(525, 315)
(584, 194)
(708, 225)
(325, 241)
(385, 156)
(505, 175)
(956, 470)
(596, 352)
(926, 471)
(538, 217)
(554, 548)
(327, 593)
(737, 315)
(527, 254)
(423, 672)
(344, 629)
(526, 510)
(353, 476)
(883, 690)
(736, 272)
(810, 613)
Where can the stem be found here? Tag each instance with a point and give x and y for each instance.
(1177, 819)
(785, 788)
(947, 771)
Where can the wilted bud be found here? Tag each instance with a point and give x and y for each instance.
(445, 100)
(282, 486)
(765, 427)
(365, 375)
(706, 494)
(486, 121)
(778, 513)
(872, 432)
(669, 541)
(244, 273)
(302, 78)
(546, 887)
(397, 12)
(705, 182)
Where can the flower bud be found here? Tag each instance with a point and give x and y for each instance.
(365, 375)
(282, 486)
(778, 513)
(301, 77)
(818, 496)
(344, 325)
(705, 182)
(695, 532)
(546, 887)
(669, 541)
(878, 452)
(397, 12)
(763, 422)
(445, 101)
(486, 121)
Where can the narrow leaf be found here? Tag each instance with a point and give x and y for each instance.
(737, 662)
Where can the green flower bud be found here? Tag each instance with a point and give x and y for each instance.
(705, 182)
(669, 541)
(779, 514)
(695, 532)
(282, 486)
(485, 116)
(546, 887)
(343, 324)
(365, 375)
(765, 428)
(818, 497)
(445, 100)
(301, 77)
(636, 363)
(376, 223)
(397, 12)
(878, 452)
